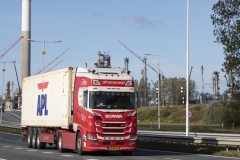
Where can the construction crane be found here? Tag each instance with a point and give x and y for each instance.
(53, 60)
(144, 61)
(11, 47)
(139, 58)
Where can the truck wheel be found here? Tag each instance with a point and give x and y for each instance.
(34, 138)
(29, 137)
(59, 143)
(79, 144)
(126, 153)
(40, 145)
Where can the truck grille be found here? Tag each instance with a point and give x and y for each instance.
(106, 143)
(113, 125)
(113, 130)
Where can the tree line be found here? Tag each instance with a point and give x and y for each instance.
(170, 91)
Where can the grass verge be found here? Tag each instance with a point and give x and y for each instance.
(10, 130)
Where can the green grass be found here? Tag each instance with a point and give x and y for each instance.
(171, 114)
(10, 130)
(173, 119)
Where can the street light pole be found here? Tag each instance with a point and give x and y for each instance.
(187, 77)
(159, 92)
(44, 52)
(159, 97)
(3, 70)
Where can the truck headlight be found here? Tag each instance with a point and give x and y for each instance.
(92, 137)
(133, 137)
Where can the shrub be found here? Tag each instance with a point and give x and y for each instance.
(226, 112)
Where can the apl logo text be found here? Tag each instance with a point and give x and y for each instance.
(42, 100)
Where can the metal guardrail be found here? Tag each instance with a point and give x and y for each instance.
(198, 138)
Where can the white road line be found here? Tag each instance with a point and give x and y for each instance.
(6, 146)
(47, 152)
(18, 148)
(31, 150)
(218, 156)
(92, 159)
(2, 159)
(67, 155)
(14, 115)
(172, 159)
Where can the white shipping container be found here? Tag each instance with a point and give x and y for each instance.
(46, 99)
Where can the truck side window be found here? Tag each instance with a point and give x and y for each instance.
(85, 99)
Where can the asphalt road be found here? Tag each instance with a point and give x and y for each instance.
(13, 148)
(11, 117)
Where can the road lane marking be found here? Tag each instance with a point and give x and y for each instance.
(2, 159)
(47, 152)
(31, 150)
(6, 146)
(18, 148)
(67, 155)
(218, 156)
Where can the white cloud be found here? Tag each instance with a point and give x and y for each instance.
(144, 21)
(99, 15)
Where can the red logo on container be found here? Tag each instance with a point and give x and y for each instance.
(43, 85)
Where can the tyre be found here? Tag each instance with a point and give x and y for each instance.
(79, 144)
(40, 145)
(34, 138)
(29, 137)
(126, 153)
(59, 143)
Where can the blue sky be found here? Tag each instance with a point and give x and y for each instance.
(157, 27)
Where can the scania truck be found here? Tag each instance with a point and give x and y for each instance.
(81, 109)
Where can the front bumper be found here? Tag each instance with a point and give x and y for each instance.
(101, 145)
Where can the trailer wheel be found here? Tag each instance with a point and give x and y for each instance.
(79, 144)
(29, 137)
(59, 143)
(40, 145)
(126, 153)
(34, 138)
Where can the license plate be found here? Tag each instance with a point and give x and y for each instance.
(113, 148)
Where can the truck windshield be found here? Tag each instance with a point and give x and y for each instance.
(111, 100)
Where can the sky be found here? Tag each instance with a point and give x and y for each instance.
(156, 27)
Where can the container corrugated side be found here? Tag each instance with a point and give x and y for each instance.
(53, 89)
